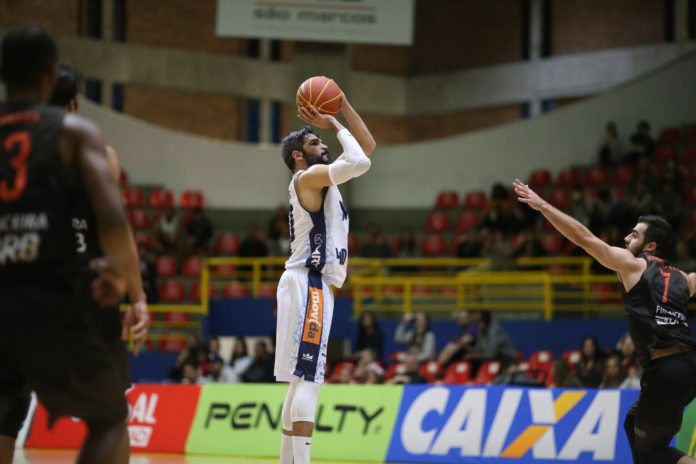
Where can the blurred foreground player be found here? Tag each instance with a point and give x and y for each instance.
(656, 296)
(50, 163)
(318, 259)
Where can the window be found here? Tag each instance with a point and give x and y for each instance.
(276, 121)
(117, 97)
(119, 26)
(252, 118)
(93, 19)
(93, 90)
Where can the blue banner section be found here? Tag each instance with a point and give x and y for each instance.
(507, 424)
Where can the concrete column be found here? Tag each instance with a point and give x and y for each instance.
(265, 111)
(681, 20)
(107, 20)
(535, 47)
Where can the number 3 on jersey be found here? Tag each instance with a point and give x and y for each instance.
(18, 146)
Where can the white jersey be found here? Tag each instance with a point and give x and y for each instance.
(319, 241)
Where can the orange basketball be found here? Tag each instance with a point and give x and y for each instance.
(320, 92)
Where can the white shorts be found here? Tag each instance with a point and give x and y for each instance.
(305, 310)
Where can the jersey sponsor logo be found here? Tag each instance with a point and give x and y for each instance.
(443, 424)
(344, 210)
(307, 357)
(23, 248)
(316, 257)
(24, 222)
(341, 255)
(665, 316)
(313, 316)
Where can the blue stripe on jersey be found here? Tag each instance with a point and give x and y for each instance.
(312, 329)
(317, 241)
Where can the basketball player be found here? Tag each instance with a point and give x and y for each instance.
(318, 259)
(107, 320)
(656, 296)
(49, 341)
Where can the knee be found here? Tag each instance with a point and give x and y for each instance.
(305, 402)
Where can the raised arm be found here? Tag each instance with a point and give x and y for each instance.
(358, 128)
(617, 259)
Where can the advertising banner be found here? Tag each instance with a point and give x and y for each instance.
(686, 438)
(352, 422)
(349, 21)
(501, 425)
(159, 419)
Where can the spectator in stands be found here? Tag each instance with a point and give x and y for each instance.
(668, 204)
(470, 247)
(261, 368)
(670, 174)
(214, 346)
(563, 376)
(641, 201)
(366, 359)
(610, 149)
(199, 232)
(148, 275)
(613, 376)
(190, 374)
(492, 343)
(189, 355)
(369, 334)
(632, 380)
(278, 233)
(218, 372)
(411, 374)
(530, 247)
(591, 365)
(498, 216)
(345, 375)
(642, 143)
(603, 209)
(375, 374)
(240, 359)
(627, 354)
(253, 245)
(644, 174)
(405, 245)
(462, 343)
(684, 259)
(498, 248)
(416, 332)
(375, 244)
(580, 206)
(168, 232)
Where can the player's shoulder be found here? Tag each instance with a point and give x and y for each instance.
(80, 127)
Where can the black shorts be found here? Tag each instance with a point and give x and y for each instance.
(65, 359)
(12, 421)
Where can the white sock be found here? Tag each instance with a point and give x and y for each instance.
(300, 449)
(286, 455)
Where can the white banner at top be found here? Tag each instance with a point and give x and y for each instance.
(350, 21)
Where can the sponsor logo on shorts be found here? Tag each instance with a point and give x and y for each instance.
(313, 316)
(307, 357)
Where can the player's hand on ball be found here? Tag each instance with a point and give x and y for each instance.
(310, 115)
(527, 195)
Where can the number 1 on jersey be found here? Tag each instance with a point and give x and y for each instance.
(667, 276)
(22, 141)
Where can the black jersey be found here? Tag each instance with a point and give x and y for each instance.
(36, 196)
(656, 308)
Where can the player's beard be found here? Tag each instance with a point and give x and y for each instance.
(637, 250)
(311, 160)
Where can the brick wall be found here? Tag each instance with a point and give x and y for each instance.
(396, 129)
(207, 115)
(450, 35)
(57, 17)
(587, 25)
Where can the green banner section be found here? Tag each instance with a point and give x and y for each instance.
(686, 438)
(353, 422)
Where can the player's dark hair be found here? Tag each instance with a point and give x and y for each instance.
(26, 55)
(660, 232)
(294, 141)
(67, 86)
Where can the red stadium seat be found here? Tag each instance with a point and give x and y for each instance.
(192, 266)
(143, 239)
(394, 369)
(560, 198)
(172, 343)
(572, 357)
(336, 371)
(690, 135)
(268, 289)
(171, 291)
(540, 178)
(353, 244)
(433, 245)
(437, 222)
(552, 244)
(191, 199)
(665, 153)
(597, 175)
(606, 293)
(467, 221)
(166, 266)
(670, 135)
(162, 199)
(195, 292)
(476, 199)
(430, 370)
(458, 373)
(133, 198)
(487, 372)
(690, 156)
(568, 177)
(226, 244)
(223, 269)
(448, 199)
(541, 360)
(619, 193)
(622, 175)
(235, 290)
(138, 218)
(176, 317)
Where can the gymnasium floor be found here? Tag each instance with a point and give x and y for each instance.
(34, 456)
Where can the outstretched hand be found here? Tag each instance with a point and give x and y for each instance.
(527, 195)
(136, 323)
(312, 116)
